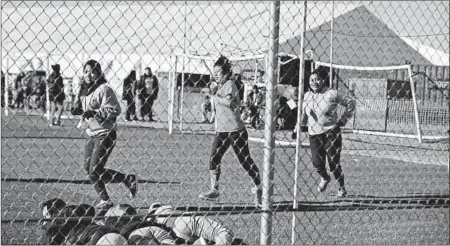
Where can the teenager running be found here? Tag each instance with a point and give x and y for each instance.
(101, 109)
(321, 121)
(230, 130)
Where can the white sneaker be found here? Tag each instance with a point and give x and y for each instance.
(258, 196)
(211, 195)
(323, 184)
(104, 205)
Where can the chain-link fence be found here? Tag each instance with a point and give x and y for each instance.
(381, 118)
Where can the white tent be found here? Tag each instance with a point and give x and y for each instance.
(139, 34)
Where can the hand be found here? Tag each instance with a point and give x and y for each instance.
(206, 91)
(340, 123)
(88, 114)
(294, 135)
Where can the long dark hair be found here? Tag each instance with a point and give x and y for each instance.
(132, 75)
(225, 64)
(86, 88)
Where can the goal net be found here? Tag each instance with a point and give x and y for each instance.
(389, 102)
(191, 73)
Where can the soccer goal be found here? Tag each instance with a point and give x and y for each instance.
(388, 102)
(191, 73)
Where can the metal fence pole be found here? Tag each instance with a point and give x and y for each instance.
(171, 89)
(299, 119)
(6, 97)
(269, 143)
(47, 89)
(331, 46)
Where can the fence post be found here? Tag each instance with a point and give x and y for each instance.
(331, 46)
(269, 143)
(47, 90)
(171, 89)
(301, 91)
(6, 97)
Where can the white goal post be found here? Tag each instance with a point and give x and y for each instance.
(406, 67)
(179, 65)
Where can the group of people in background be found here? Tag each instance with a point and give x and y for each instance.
(140, 95)
(29, 92)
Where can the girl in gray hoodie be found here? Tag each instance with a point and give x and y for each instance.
(101, 108)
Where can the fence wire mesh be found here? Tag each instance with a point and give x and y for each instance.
(384, 64)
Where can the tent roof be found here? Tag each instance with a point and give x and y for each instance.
(361, 39)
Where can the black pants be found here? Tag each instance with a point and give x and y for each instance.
(97, 151)
(144, 104)
(239, 141)
(131, 108)
(328, 146)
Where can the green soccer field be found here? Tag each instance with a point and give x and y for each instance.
(398, 190)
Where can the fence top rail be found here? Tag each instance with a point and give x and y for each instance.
(362, 68)
(214, 57)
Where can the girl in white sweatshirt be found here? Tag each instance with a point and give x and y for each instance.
(323, 125)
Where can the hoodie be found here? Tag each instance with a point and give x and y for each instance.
(102, 100)
(320, 110)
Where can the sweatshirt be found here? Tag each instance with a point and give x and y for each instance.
(320, 110)
(104, 102)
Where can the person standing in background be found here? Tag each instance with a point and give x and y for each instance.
(239, 86)
(68, 91)
(128, 95)
(146, 93)
(3, 90)
(56, 94)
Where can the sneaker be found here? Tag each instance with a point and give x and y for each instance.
(323, 184)
(342, 193)
(212, 194)
(104, 205)
(258, 196)
(132, 184)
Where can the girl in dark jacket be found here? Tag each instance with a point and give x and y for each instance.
(128, 95)
(147, 89)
